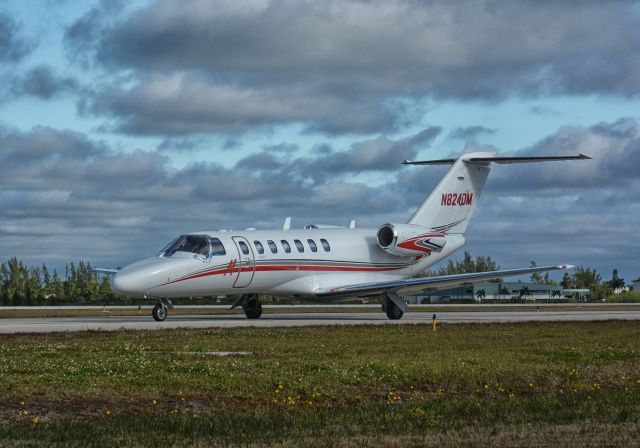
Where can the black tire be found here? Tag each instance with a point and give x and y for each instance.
(393, 311)
(253, 309)
(159, 312)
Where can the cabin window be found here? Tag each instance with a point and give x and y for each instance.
(299, 245)
(243, 247)
(312, 245)
(272, 246)
(259, 247)
(325, 245)
(286, 246)
(217, 248)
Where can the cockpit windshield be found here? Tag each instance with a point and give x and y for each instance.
(195, 244)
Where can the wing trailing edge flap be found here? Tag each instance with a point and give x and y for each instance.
(416, 285)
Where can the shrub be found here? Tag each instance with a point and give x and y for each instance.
(625, 297)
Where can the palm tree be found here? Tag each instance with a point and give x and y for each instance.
(480, 294)
(525, 292)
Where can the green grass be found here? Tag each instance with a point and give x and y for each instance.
(530, 384)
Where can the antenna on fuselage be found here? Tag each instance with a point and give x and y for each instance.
(287, 223)
(352, 224)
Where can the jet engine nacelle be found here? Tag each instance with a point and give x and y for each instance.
(409, 239)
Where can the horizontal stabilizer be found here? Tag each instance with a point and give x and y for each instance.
(501, 160)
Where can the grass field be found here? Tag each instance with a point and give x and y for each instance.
(534, 384)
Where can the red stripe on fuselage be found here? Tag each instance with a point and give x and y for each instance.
(287, 268)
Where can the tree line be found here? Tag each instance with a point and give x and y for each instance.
(38, 285)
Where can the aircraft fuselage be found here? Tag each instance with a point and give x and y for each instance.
(292, 263)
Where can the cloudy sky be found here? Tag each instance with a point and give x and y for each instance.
(126, 123)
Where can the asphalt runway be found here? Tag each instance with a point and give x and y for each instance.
(113, 323)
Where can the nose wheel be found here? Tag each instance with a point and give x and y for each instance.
(159, 312)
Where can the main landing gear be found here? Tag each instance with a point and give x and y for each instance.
(393, 305)
(160, 310)
(250, 305)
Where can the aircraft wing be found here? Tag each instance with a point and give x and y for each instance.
(426, 284)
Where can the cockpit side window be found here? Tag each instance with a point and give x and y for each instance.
(195, 244)
(164, 250)
(216, 247)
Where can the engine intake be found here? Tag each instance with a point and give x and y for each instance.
(408, 239)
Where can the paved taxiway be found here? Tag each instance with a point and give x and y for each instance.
(112, 323)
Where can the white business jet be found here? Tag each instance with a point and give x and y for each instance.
(324, 263)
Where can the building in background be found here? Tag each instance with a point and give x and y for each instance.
(635, 285)
(501, 291)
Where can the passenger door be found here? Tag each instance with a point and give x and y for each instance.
(246, 265)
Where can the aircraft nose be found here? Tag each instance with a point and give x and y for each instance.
(127, 284)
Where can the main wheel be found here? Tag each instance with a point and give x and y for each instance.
(393, 311)
(252, 309)
(159, 312)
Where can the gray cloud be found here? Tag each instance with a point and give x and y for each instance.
(543, 110)
(183, 144)
(377, 154)
(42, 82)
(380, 154)
(346, 66)
(84, 34)
(68, 196)
(615, 148)
(283, 147)
(13, 47)
(184, 103)
(469, 133)
(530, 46)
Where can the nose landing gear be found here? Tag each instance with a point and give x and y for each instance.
(160, 310)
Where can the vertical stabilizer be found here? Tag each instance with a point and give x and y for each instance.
(450, 205)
